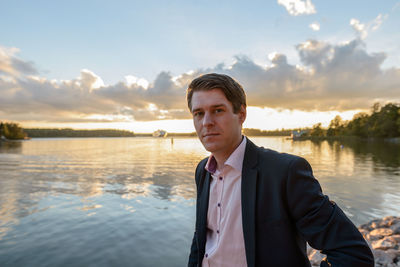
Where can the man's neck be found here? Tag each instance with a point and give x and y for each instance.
(221, 158)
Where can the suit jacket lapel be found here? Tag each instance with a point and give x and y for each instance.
(249, 190)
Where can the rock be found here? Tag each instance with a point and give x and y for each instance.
(383, 258)
(397, 238)
(371, 225)
(393, 253)
(365, 226)
(369, 244)
(382, 236)
(395, 228)
(391, 220)
(365, 233)
(309, 249)
(316, 257)
(379, 233)
(376, 224)
(385, 243)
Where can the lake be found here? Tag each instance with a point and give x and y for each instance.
(131, 201)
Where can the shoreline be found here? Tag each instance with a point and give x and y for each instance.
(395, 140)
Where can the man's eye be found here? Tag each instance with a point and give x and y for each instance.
(197, 114)
(219, 110)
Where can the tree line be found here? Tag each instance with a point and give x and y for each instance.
(383, 122)
(67, 132)
(12, 131)
(258, 132)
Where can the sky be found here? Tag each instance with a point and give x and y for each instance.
(127, 64)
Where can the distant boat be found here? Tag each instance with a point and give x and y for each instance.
(295, 135)
(160, 133)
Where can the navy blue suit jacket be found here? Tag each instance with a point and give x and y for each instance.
(283, 208)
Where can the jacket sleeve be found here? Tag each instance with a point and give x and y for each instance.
(193, 257)
(321, 222)
(194, 250)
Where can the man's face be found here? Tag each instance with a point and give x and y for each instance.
(218, 128)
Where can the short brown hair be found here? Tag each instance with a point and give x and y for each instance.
(232, 90)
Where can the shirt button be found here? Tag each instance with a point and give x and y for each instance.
(206, 255)
(219, 204)
(217, 231)
(220, 178)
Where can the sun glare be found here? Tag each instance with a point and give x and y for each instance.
(271, 119)
(258, 118)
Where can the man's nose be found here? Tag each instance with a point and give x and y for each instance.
(208, 119)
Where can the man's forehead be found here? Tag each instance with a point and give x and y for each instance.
(204, 100)
(209, 97)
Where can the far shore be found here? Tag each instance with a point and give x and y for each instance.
(395, 140)
(68, 132)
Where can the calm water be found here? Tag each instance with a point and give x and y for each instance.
(130, 201)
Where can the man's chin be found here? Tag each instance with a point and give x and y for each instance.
(210, 147)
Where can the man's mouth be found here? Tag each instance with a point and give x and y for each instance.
(210, 134)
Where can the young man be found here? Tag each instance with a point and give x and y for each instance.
(255, 206)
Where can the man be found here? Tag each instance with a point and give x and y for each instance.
(255, 206)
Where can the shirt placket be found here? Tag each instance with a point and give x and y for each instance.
(220, 190)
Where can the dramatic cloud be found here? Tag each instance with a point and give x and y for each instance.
(298, 7)
(330, 77)
(11, 65)
(362, 30)
(315, 26)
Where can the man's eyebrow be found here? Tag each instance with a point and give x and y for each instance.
(213, 106)
(218, 106)
(197, 109)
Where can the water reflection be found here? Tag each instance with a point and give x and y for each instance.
(103, 196)
(11, 146)
(382, 153)
(155, 167)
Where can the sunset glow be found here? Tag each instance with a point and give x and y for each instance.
(300, 62)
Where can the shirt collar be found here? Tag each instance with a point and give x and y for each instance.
(235, 160)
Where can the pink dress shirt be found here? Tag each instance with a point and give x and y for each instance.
(225, 242)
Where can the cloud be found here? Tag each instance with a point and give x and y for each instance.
(315, 26)
(90, 81)
(132, 80)
(363, 30)
(298, 7)
(359, 28)
(330, 77)
(31, 97)
(12, 65)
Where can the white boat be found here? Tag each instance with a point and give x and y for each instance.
(160, 133)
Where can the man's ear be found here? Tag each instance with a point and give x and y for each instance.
(242, 113)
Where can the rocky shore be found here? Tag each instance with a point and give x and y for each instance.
(383, 237)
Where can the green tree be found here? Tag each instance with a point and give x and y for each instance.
(11, 131)
(317, 131)
(336, 127)
(359, 125)
(383, 122)
(398, 121)
(376, 107)
(386, 121)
